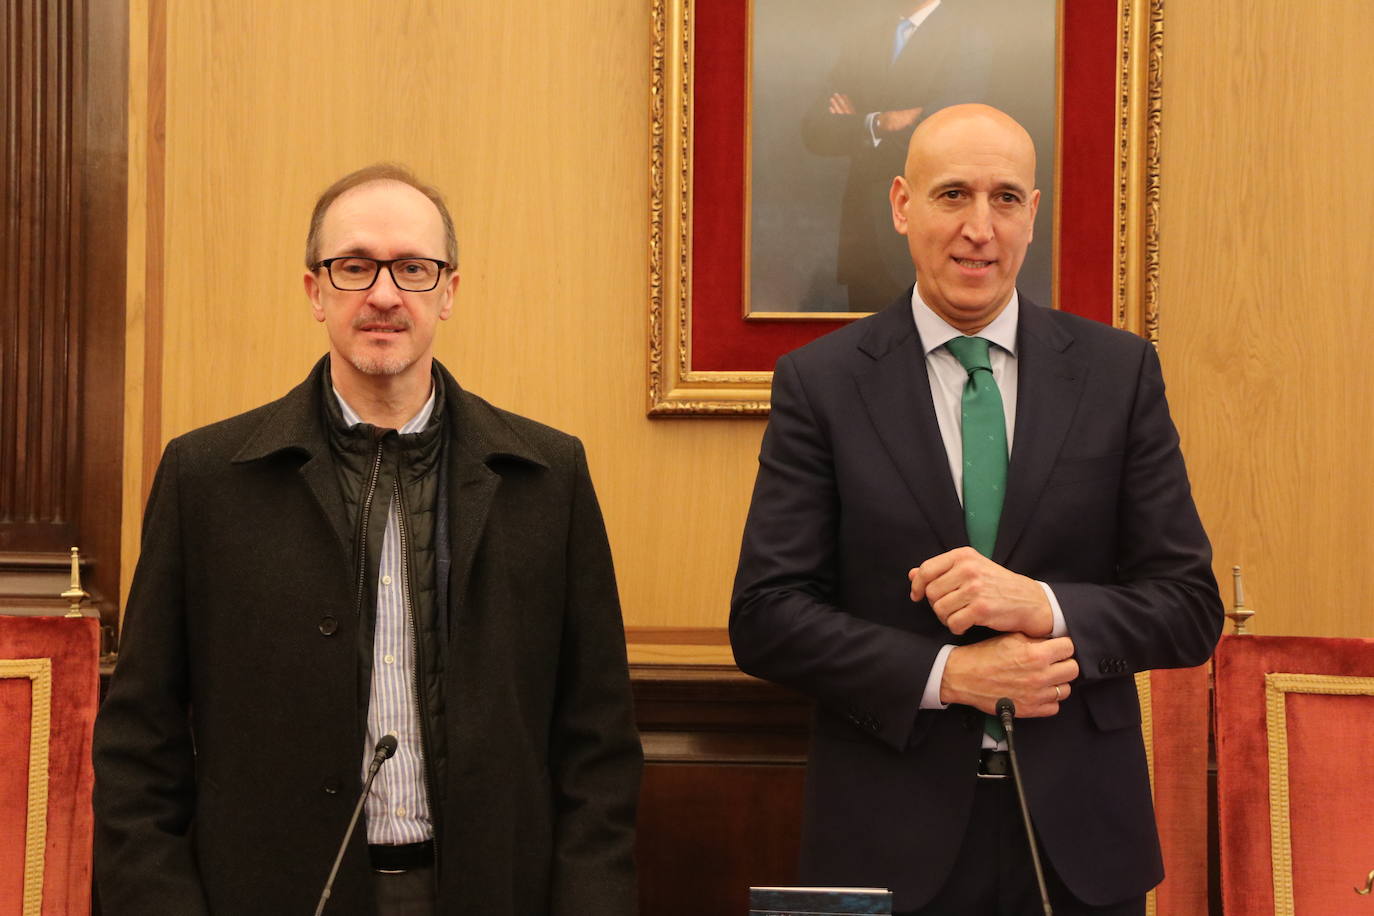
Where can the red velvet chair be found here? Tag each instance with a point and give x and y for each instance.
(49, 685)
(1174, 715)
(1295, 769)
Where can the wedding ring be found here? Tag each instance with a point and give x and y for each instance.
(1057, 695)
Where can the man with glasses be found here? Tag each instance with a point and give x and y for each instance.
(379, 553)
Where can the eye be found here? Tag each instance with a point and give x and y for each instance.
(353, 267)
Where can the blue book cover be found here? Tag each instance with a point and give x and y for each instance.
(818, 901)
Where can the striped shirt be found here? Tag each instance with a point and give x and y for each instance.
(397, 809)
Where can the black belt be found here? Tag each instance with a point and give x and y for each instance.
(401, 858)
(994, 764)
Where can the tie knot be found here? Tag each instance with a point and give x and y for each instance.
(972, 352)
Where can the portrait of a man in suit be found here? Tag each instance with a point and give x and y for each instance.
(964, 497)
(837, 91)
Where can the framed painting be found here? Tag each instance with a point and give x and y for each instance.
(773, 143)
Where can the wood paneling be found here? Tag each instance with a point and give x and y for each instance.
(38, 435)
(721, 805)
(1265, 296)
(62, 251)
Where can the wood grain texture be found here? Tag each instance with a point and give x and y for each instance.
(38, 371)
(533, 118)
(62, 253)
(1265, 291)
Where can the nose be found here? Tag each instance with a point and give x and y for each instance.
(978, 222)
(383, 293)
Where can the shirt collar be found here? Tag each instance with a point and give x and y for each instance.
(413, 425)
(935, 332)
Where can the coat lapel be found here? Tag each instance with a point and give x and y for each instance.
(1049, 387)
(480, 442)
(294, 425)
(896, 392)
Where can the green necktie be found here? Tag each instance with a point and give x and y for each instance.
(985, 457)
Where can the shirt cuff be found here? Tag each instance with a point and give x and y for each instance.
(931, 698)
(871, 122)
(1060, 627)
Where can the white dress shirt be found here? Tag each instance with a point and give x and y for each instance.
(947, 380)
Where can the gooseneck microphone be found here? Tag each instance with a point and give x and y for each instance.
(1006, 711)
(383, 751)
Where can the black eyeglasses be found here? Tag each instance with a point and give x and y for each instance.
(414, 275)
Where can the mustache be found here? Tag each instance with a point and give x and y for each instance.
(398, 320)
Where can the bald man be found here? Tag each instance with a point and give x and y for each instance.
(960, 498)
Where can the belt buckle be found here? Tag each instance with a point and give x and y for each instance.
(984, 757)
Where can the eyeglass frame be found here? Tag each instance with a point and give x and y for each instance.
(327, 262)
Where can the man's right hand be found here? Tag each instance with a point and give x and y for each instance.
(1012, 665)
(892, 122)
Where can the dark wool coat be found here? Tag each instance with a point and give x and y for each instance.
(228, 752)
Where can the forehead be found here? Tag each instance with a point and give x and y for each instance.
(383, 219)
(975, 153)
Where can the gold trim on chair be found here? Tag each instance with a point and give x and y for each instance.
(1276, 688)
(39, 672)
(1147, 734)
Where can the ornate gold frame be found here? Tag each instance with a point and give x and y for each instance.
(676, 389)
(39, 672)
(1276, 688)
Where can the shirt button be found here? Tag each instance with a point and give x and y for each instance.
(386, 580)
(389, 659)
(400, 812)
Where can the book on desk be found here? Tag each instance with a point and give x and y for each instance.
(819, 901)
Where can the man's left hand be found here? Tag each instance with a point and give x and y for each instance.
(966, 589)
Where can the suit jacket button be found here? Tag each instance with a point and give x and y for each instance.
(331, 786)
(328, 626)
(1105, 666)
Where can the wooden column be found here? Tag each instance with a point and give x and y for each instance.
(62, 252)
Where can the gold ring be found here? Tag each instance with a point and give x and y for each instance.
(1057, 695)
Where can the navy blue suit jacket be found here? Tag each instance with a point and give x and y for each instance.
(854, 489)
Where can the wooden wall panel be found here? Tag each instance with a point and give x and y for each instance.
(1265, 297)
(38, 434)
(62, 251)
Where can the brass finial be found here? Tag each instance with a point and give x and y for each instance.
(76, 594)
(1240, 613)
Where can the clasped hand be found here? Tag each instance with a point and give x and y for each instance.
(966, 589)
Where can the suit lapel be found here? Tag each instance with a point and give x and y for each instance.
(1049, 387)
(896, 392)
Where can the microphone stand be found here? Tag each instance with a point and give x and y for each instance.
(1006, 709)
(385, 748)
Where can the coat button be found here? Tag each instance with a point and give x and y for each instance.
(331, 786)
(328, 626)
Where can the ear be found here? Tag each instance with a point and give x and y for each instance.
(312, 292)
(450, 288)
(899, 195)
(1034, 208)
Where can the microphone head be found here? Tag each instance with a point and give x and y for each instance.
(387, 746)
(1005, 707)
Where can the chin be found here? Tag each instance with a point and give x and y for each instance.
(380, 365)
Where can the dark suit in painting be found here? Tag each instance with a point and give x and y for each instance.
(946, 61)
(854, 488)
